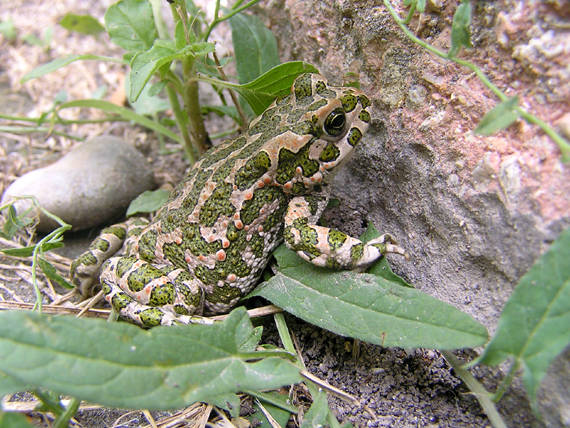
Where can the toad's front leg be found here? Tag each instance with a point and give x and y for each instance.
(328, 247)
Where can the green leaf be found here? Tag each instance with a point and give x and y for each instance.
(460, 32)
(49, 271)
(121, 365)
(146, 103)
(14, 222)
(500, 117)
(29, 250)
(255, 47)
(271, 84)
(145, 64)
(230, 402)
(13, 420)
(124, 113)
(318, 414)
(229, 111)
(148, 202)
(382, 268)
(130, 24)
(84, 24)
(62, 62)
(8, 30)
(275, 403)
(9, 385)
(534, 325)
(367, 307)
(421, 5)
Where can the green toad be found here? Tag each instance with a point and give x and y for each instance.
(207, 246)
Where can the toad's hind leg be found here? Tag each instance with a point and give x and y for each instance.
(149, 295)
(85, 268)
(323, 246)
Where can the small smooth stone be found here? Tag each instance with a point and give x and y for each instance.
(92, 184)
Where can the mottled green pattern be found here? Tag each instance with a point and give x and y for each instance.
(151, 317)
(364, 101)
(162, 295)
(354, 136)
(356, 252)
(289, 161)
(252, 170)
(207, 246)
(218, 204)
(336, 238)
(364, 116)
(330, 153)
(141, 276)
(348, 102)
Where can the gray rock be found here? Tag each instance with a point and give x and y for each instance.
(89, 186)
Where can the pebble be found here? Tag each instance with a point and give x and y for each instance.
(91, 185)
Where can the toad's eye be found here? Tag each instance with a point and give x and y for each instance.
(335, 122)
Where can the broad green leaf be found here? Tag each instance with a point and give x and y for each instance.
(14, 420)
(147, 104)
(49, 271)
(130, 24)
(230, 402)
(9, 385)
(62, 62)
(534, 325)
(121, 365)
(255, 47)
(84, 24)
(367, 307)
(318, 414)
(145, 64)
(271, 84)
(148, 202)
(500, 117)
(125, 113)
(460, 32)
(383, 270)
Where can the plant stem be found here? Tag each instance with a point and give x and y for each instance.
(180, 122)
(217, 20)
(158, 21)
(63, 420)
(192, 106)
(284, 333)
(506, 382)
(410, 13)
(195, 141)
(480, 393)
(233, 96)
(562, 143)
(27, 130)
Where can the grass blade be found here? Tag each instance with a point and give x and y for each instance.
(125, 113)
